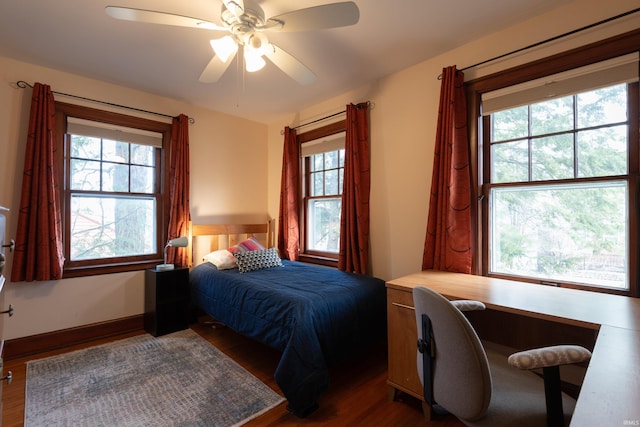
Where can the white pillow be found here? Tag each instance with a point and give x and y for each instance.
(222, 259)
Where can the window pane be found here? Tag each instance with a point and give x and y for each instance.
(142, 179)
(602, 152)
(331, 184)
(552, 157)
(106, 227)
(551, 116)
(84, 147)
(317, 185)
(510, 124)
(142, 155)
(114, 151)
(85, 175)
(510, 162)
(324, 225)
(602, 106)
(331, 160)
(341, 158)
(575, 233)
(115, 177)
(317, 162)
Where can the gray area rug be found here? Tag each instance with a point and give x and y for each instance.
(178, 379)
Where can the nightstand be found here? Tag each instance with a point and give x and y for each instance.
(166, 301)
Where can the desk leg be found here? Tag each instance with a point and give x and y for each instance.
(392, 393)
(426, 410)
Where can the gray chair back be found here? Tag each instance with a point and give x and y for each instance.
(461, 376)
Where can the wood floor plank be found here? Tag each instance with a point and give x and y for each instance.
(357, 392)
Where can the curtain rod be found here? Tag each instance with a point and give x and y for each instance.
(323, 118)
(320, 119)
(23, 85)
(587, 27)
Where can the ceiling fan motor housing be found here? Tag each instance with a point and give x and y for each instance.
(244, 26)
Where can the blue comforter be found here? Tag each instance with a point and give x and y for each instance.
(316, 316)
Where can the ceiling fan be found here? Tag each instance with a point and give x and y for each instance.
(245, 23)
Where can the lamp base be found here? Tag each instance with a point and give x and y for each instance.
(164, 267)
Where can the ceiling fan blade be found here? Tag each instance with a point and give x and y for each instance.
(215, 69)
(153, 17)
(290, 65)
(234, 6)
(318, 17)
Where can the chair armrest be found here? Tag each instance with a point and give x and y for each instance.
(467, 305)
(549, 356)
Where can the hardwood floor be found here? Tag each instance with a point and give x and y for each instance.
(357, 394)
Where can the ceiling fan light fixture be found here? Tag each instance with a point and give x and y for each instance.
(224, 47)
(253, 60)
(258, 42)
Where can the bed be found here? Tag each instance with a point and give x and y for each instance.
(316, 316)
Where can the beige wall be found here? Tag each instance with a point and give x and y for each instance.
(403, 124)
(228, 160)
(227, 171)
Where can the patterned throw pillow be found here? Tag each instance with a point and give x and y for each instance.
(257, 260)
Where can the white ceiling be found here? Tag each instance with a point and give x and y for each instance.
(78, 37)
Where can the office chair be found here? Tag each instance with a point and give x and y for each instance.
(477, 383)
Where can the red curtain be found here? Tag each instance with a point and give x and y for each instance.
(354, 219)
(288, 217)
(448, 241)
(39, 253)
(179, 213)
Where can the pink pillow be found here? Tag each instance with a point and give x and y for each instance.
(251, 244)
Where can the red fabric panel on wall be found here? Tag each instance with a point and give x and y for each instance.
(288, 216)
(354, 219)
(179, 213)
(448, 240)
(39, 253)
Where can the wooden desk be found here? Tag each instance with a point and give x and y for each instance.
(611, 389)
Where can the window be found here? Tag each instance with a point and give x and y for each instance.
(324, 201)
(558, 203)
(113, 200)
(322, 152)
(559, 170)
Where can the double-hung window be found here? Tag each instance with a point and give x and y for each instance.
(323, 176)
(113, 199)
(560, 159)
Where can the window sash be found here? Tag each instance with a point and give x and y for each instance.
(129, 221)
(535, 234)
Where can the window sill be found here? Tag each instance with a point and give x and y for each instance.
(70, 272)
(317, 259)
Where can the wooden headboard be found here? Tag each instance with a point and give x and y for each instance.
(205, 238)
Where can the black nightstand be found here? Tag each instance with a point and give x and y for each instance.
(166, 301)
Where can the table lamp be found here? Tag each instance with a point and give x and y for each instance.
(179, 242)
